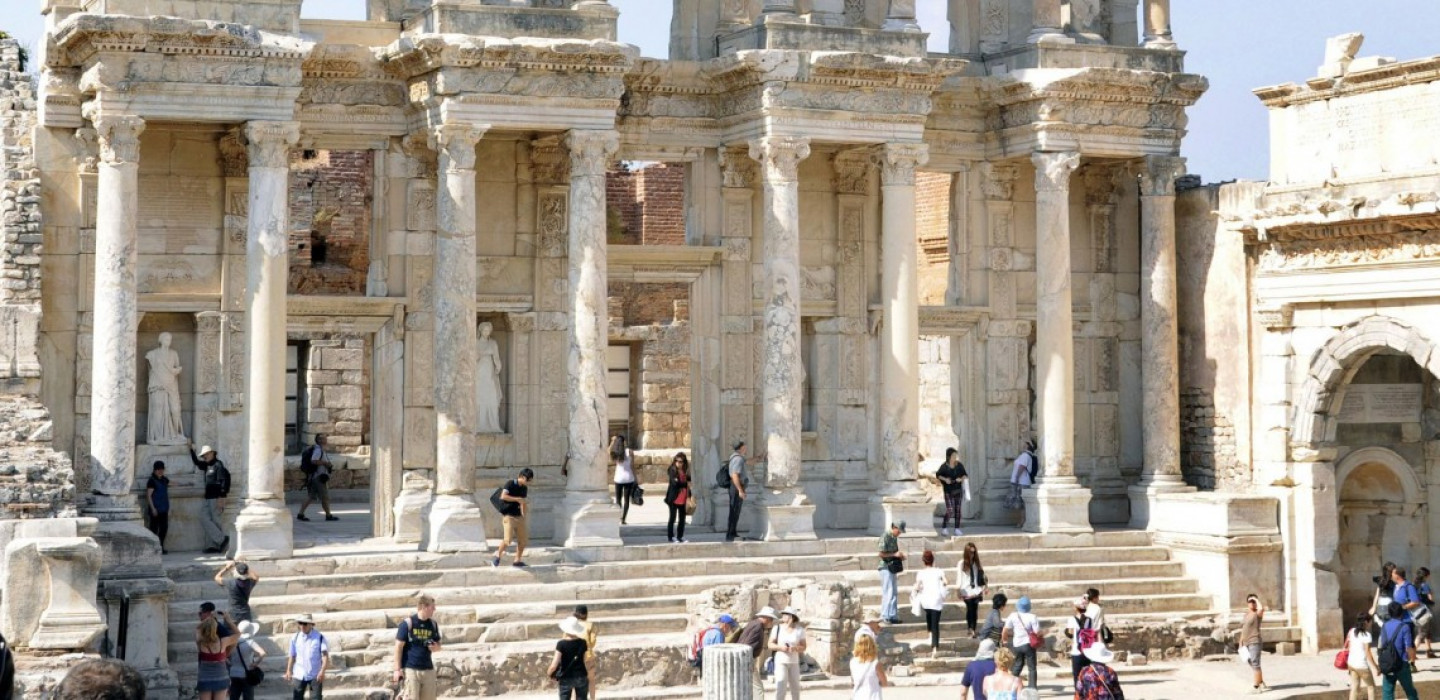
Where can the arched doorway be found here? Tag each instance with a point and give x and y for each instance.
(1381, 518)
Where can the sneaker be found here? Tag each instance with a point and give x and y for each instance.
(682, 540)
(520, 564)
(302, 517)
(331, 517)
(959, 532)
(495, 561)
(893, 621)
(672, 539)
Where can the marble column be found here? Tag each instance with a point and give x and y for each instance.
(1159, 338)
(263, 527)
(454, 522)
(586, 516)
(1058, 504)
(1046, 23)
(729, 673)
(788, 513)
(900, 496)
(901, 17)
(1157, 25)
(777, 9)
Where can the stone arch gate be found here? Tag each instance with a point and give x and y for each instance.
(1314, 563)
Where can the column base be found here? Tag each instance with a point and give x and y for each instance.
(127, 549)
(409, 512)
(587, 519)
(1143, 494)
(1163, 43)
(787, 515)
(903, 501)
(900, 25)
(1057, 509)
(1048, 36)
(263, 531)
(453, 524)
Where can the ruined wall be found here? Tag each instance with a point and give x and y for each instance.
(932, 234)
(330, 213)
(20, 193)
(665, 388)
(647, 205)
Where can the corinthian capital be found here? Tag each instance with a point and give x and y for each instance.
(591, 151)
(997, 182)
(268, 144)
(455, 143)
(780, 156)
(1052, 170)
(898, 162)
(119, 138)
(1157, 178)
(736, 167)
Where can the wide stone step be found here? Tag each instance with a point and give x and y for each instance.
(1059, 608)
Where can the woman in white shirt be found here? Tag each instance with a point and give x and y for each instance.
(788, 643)
(1020, 477)
(866, 675)
(1018, 628)
(930, 591)
(624, 459)
(1360, 658)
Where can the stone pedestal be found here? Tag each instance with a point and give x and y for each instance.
(1233, 538)
(901, 17)
(70, 621)
(1046, 24)
(453, 521)
(587, 517)
(263, 528)
(910, 505)
(1057, 509)
(728, 672)
(410, 508)
(146, 602)
(786, 515)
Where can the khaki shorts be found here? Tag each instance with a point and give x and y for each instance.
(516, 531)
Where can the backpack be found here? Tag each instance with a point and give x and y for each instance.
(1388, 656)
(697, 647)
(722, 477)
(307, 463)
(7, 668)
(1034, 466)
(496, 501)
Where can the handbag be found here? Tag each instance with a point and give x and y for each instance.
(1035, 640)
(1342, 658)
(895, 565)
(1106, 636)
(254, 675)
(637, 495)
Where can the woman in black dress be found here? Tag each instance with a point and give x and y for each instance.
(677, 496)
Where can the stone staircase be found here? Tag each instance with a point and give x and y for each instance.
(500, 623)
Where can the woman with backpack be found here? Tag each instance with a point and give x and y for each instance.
(677, 496)
(787, 640)
(624, 459)
(1022, 634)
(971, 578)
(1074, 627)
(1360, 658)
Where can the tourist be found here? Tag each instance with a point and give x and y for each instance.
(869, 627)
(514, 511)
(1405, 594)
(954, 482)
(677, 496)
(307, 660)
(1424, 618)
(866, 675)
(930, 591)
(1003, 684)
(624, 460)
(1397, 633)
(238, 588)
(101, 678)
(7, 670)
(1096, 613)
(754, 635)
(592, 642)
(970, 576)
(978, 670)
(1079, 622)
(213, 679)
(1360, 658)
(1250, 639)
(738, 480)
(1022, 633)
(710, 636)
(416, 640)
(157, 500)
(245, 656)
(217, 489)
(567, 665)
(1384, 594)
(892, 562)
(995, 622)
(788, 642)
(1020, 478)
(1097, 681)
(226, 625)
(315, 464)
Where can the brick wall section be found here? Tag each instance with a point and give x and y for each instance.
(622, 209)
(932, 233)
(330, 201)
(1207, 443)
(647, 206)
(20, 194)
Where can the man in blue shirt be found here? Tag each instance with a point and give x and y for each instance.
(978, 670)
(308, 659)
(1397, 632)
(1405, 594)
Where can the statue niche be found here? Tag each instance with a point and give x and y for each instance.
(163, 426)
(488, 390)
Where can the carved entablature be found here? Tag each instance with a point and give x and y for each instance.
(951, 320)
(1373, 249)
(349, 75)
(1275, 317)
(884, 87)
(1099, 101)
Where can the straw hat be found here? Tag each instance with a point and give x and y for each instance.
(572, 627)
(305, 619)
(766, 611)
(872, 617)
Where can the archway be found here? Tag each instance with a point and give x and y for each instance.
(1380, 507)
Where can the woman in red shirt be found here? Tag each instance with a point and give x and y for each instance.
(677, 496)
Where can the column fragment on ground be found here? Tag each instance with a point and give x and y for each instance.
(454, 520)
(728, 672)
(263, 528)
(1159, 339)
(585, 516)
(901, 498)
(1058, 504)
(788, 513)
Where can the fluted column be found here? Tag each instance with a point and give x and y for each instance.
(788, 513)
(263, 528)
(1159, 338)
(1046, 22)
(1157, 25)
(729, 670)
(900, 497)
(901, 17)
(454, 520)
(112, 402)
(586, 516)
(1058, 503)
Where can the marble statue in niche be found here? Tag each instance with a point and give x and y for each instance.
(487, 381)
(163, 426)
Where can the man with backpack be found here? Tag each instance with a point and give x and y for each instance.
(733, 477)
(315, 465)
(217, 489)
(1397, 653)
(715, 634)
(416, 639)
(510, 500)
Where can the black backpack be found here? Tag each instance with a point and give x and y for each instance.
(1388, 656)
(722, 477)
(496, 501)
(307, 463)
(7, 670)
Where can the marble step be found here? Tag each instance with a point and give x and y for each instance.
(1059, 608)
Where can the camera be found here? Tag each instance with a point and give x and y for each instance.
(1375, 580)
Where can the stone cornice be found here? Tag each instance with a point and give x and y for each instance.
(417, 55)
(1098, 85)
(82, 37)
(1383, 77)
(1331, 219)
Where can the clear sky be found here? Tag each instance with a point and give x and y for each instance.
(1238, 44)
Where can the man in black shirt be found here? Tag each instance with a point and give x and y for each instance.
(514, 510)
(416, 639)
(217, 488)
(157, 502)
(754, 635)
(238, 588)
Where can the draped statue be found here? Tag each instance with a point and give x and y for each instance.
(163, 426)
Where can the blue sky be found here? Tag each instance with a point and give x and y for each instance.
(1238, 44)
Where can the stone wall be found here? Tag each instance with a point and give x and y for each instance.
(1207, 442)
(330, 214)
(665, 388)
(647, 204)
(35, 480)
(337, 392)
(20, 192)
(932, 233)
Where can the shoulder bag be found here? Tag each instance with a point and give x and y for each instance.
(254, 675)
